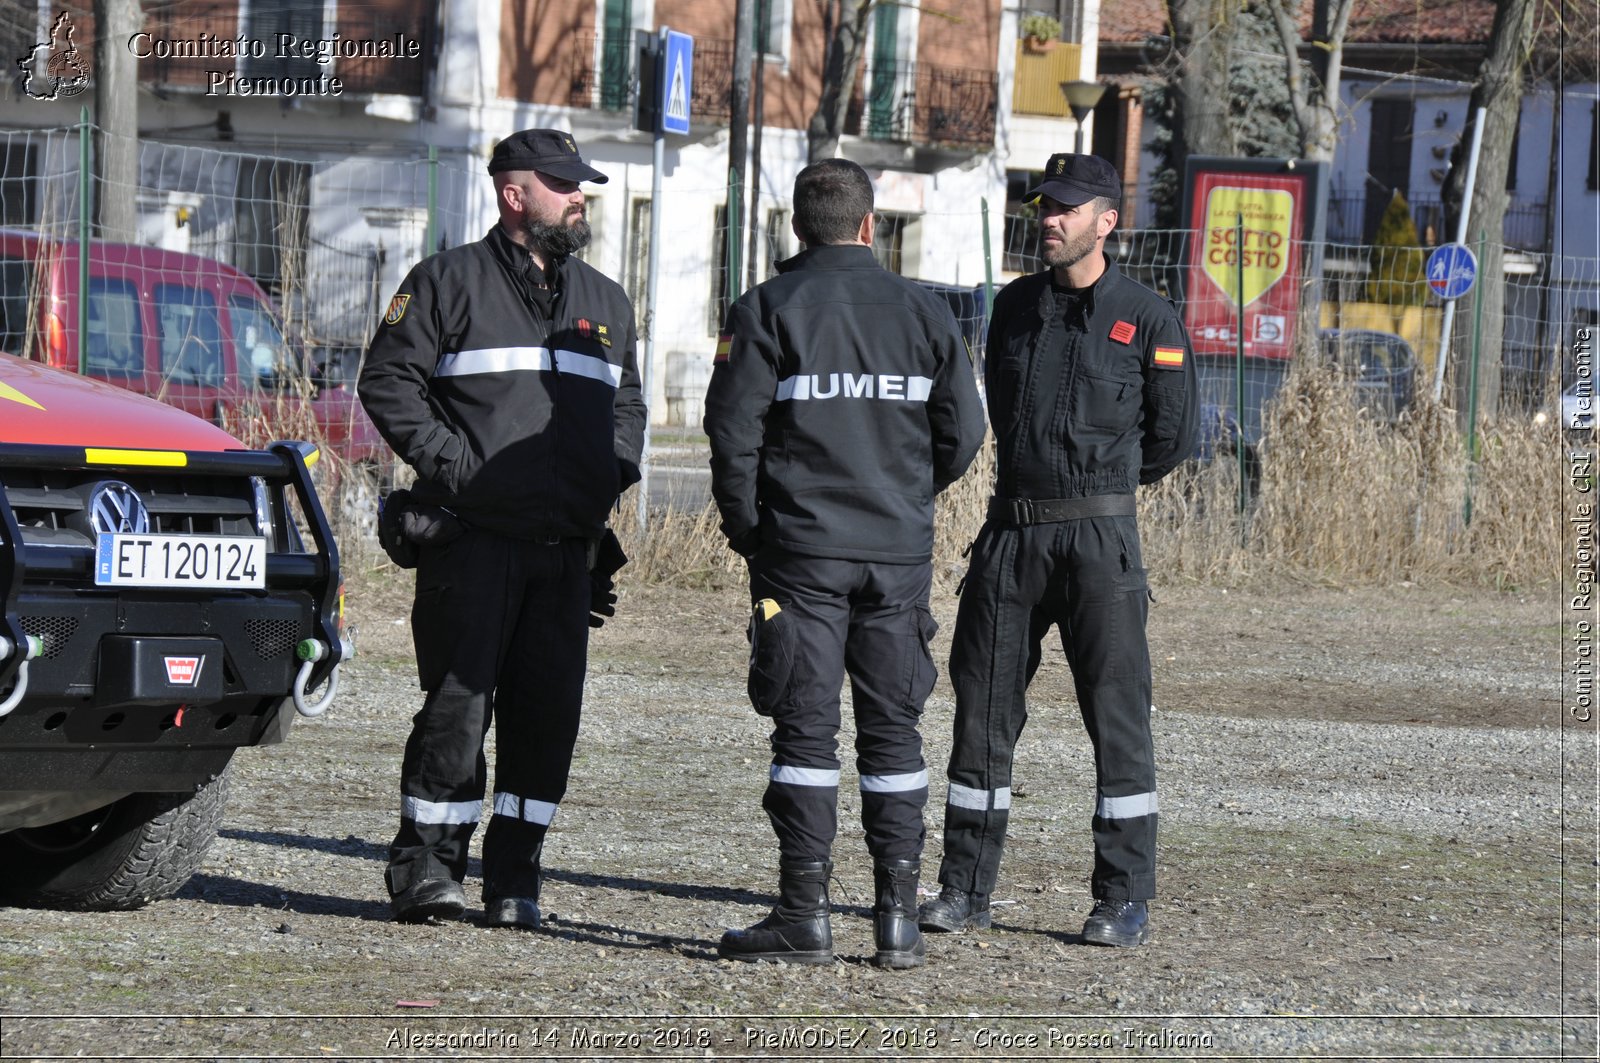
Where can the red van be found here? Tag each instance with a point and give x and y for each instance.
(193, 332)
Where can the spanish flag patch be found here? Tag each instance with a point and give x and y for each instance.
(1169, 357)
(724, 345)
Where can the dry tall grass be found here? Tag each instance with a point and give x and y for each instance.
(1343, 499)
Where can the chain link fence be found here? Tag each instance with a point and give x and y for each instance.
(295, 255)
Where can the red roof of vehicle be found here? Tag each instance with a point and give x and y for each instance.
(39, 404)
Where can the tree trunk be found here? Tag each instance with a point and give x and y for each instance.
(116, 77)
(1202, 33)
(1316, 99)
(1499, 92)
(838, 80)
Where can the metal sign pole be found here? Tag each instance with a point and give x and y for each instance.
(1461, 238)
(652, 273)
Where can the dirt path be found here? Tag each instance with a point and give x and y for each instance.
(1377, 838)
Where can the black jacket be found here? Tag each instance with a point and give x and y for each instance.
(1090, 393)
(842, 401)
(524, 421)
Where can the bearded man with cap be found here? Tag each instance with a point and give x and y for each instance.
(504, 374)
(1091, 393)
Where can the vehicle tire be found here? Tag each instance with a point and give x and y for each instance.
(143, 848)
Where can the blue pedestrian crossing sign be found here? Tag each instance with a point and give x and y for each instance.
(677, 81)
(1451, 270)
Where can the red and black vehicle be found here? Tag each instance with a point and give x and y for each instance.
(168, 596)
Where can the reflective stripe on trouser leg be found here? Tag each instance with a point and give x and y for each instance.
(456, 623)
(988, 669)
(1111, 672)
(803, 806)
(538, 703)
(890, 664)
(802, 793)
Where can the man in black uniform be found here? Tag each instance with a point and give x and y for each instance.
(842, 400)
(504, 374)
(1091, 393)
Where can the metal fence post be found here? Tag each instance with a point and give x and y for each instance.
(1472, 386)
(1238, 374)
(988, 264)
(85, 186)
(431, 235)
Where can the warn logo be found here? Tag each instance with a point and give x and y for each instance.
(183, 671)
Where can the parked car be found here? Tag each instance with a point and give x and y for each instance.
(1382, 365)
(160, 608)
(192, 332)
(1577, 408)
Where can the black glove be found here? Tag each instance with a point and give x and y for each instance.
(404, 524)
(745, 544)
(391, 532)
(602, 599)
(605, 560)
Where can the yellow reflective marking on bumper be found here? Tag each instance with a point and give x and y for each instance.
(105, 456)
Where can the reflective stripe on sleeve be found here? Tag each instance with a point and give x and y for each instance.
(894, 784)
(1130, 807)
(524, 808)
(783, 773)
(419, 811)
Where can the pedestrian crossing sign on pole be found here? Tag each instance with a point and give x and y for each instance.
(677, 82)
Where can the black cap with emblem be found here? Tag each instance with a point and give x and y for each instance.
(548, 151)
(1073, 180)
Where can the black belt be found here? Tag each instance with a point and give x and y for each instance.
(1025, 511)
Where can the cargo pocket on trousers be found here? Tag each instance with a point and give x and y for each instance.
(771, 656)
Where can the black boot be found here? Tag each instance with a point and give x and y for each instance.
(894, 915)
(797, 930)
(955, 910)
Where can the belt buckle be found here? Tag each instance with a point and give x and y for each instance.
(1022, 511)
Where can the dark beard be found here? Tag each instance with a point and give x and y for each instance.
(559, 240)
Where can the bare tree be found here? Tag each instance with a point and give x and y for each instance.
(1315, 98)
(1498, 94)
(845, 45)
(1202, 38)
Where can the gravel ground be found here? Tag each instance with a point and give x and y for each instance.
(1377, 839)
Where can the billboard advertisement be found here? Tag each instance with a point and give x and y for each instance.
(1276, 207)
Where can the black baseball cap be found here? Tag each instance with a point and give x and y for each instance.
(549, 151)
(1073, 180)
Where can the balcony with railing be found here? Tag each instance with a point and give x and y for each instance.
(920, 103)
(603, 75)
(1353, 220)
(384, 41)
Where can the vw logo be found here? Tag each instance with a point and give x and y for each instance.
(114, 507)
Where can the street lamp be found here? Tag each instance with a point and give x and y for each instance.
(1081, 99)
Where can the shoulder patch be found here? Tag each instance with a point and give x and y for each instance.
(397, 309)
(1123, 331)
(1169, 357)
(724, 345)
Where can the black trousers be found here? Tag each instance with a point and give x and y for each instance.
(501, 628)
(1085, 576)
(832, 618)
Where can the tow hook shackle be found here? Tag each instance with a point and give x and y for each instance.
(32, 646)
(310, 651)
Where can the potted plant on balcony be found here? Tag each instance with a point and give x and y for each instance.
(1039, 31)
